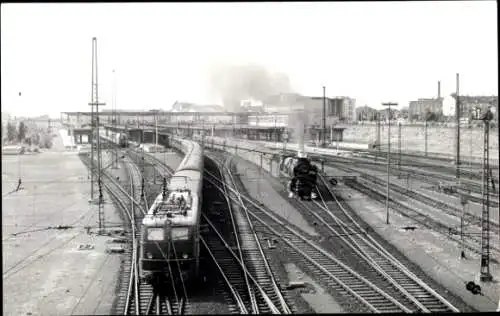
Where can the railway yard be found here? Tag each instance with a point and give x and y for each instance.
(221, 165)
(259, 250)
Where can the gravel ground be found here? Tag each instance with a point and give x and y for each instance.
(45, 271)
(424, 188)
(314, 293)
(438, 215)
(434, 254)
(262, 190)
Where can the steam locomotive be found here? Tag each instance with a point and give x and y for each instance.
(302, 174)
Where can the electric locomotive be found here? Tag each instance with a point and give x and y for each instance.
(170, 244)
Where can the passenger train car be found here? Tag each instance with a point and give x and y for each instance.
(170, 231)
(120, 139)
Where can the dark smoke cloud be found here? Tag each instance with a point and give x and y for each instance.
(239, 82)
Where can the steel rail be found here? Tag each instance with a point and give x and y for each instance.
(236, 230)
(375, 245)
(237, 297)
(338, 264)
(242, 265)
(274, 283)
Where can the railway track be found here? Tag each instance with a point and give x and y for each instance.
(472, 243)
(440, 164)
(407, 294)
(135, 297)
(412, 293)
(432, 178)
(129, 288)
(339, 276)
(262, 290)
(445, 207)
(404, 193)
(242, 264)
(419, 296)
(420, 217)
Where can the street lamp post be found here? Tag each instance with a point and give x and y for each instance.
(388, 104)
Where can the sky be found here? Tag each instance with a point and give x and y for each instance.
(164, 52)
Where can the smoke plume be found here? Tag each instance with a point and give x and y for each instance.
(298, 123)
(240, 82)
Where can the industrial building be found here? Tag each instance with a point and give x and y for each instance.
(469, 104)
(338, 109)
(417, 110)
(366, 113)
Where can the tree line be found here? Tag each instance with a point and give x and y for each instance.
(24, 135)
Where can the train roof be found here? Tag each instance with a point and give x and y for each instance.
(163, 212)
(185, 183)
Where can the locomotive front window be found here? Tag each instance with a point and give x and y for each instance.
(180, 233)
(155, 234)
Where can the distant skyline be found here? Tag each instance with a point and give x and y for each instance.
(163, 52)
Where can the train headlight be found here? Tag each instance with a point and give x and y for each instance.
(185, 256)
(155, 234)
(149, 255)
(180, 233)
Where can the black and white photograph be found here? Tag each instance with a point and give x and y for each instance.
(250, 157)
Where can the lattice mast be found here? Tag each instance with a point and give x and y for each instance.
(399, 150)
(485, 218)
(95, 133)
(92, 119)
(114, 121)
(457, 139)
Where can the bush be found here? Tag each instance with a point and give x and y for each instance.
(45, 141)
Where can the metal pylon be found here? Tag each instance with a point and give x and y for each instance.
(485, 275)
(378, 136)
(114, 122)
(399, 150)
(95, 135)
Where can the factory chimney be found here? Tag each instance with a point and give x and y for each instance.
(439, 89)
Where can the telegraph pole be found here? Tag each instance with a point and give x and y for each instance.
(377, 116)
(323, 130)
(399, 150)
(156, 129)
(95, 124)
(19, 182)
(457, 140)
(388, 104)
(425, 136)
